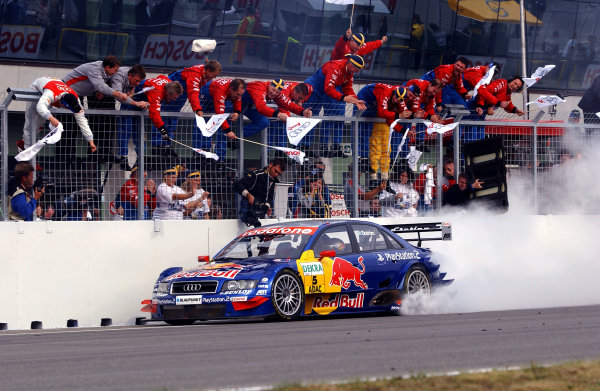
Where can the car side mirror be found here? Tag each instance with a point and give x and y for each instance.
(203, 258)
(327, 253)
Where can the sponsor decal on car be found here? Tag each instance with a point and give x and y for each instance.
(343, 271)
(280, 230)
(238, 292)
(264, 279)
(339, 300)
(230, 274)
(238, 298)
(401, 256)
(262, 292)
(312, 268)
(380, 259)
(315, 289)
(190, 299)
(263, 286)
(215, 300)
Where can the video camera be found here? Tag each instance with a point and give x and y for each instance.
(255, 212)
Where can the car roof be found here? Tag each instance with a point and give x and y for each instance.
(305, 223)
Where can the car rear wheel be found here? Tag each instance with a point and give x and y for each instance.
(287, 295)
(417, 281)
(180, 322)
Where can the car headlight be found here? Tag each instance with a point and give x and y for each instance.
(163, 288)
(236, 285)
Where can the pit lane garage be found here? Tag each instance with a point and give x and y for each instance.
(302, 268)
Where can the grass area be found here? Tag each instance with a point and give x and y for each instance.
(576, 376)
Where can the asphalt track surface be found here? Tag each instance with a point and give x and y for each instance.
(213, 355)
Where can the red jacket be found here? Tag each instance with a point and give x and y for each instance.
(342, 47)
(385, 108)
(219, 91)
(258, 92)
(446, 74)
(156, 97)
(194, 80)
(129, 193)
(336, 75)
(474, 74)
(286, 95)
(428, 102)
(494, 93)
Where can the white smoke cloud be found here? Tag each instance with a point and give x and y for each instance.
(519, 259)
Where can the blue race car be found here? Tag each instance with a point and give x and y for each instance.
(302, 268)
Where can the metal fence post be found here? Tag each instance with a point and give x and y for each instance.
(264, 150)
(141, 170)
(4, 174)
(440, 172)
(534, 153)
(355, 177)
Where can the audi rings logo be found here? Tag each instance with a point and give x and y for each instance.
(192, 287)
(295, 130)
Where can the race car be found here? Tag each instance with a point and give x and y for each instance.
(302, 268)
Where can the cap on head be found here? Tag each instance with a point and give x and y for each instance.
(356, 60)
(400, 92)
(574, 114)
(170, 171)
(195, 174)
(134, 169)
(278, 84)
(71, 102)
(358, 38)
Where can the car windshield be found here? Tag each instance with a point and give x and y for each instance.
(269, 246)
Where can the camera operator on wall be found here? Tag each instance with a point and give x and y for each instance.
(257, 189)
(23, 193)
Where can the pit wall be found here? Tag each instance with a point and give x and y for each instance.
(51, 272)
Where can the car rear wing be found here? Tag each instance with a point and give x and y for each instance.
(414, 232)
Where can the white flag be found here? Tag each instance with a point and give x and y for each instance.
(203, 45)
(538, 74)
(51, 138)
(294, 154)
(340, 2)
(209, 155)
(392, 133)
(546, 100)
(298, 127)
(212, 125)
(485, 80)
(439, 128)
(144, 90)
(598, 114)
(413, 157)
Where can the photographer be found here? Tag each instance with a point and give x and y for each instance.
(257, 189)
(23, 197)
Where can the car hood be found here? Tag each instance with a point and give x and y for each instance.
(249, 268)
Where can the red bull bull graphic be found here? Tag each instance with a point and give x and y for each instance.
(342, 272)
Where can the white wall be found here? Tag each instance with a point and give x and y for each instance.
(55, 271)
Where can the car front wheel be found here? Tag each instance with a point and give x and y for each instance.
(287, 295)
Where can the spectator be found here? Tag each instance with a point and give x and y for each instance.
(332, 88)
(216, 213)
(196, 207)
(498, 94)
(93, 80)
(254, 105)
(387, 102)
(569, 48)
(459, 194)
(161, 90)
(473, 75)
(423, 104)
(355, 44)
(551, 44)
(449, 178)
(54, 93)
(450, 75)
(312, 199)
(244, 30)
(220, 95)
(257, 189)
(22, 197)
(425, 186)
(207, 24)
(129, 196)
(293, 93)
(364, 207)
(416, 39)
(125, 80)
(590, 103)
(399, 199)
(44, 212)
(168, 197)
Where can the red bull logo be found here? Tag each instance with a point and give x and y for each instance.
(342, 272)
(340, 301)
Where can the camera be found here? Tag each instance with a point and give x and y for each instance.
(251, 220)
(43, 180)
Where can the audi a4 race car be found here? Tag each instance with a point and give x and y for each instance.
(301, 268)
